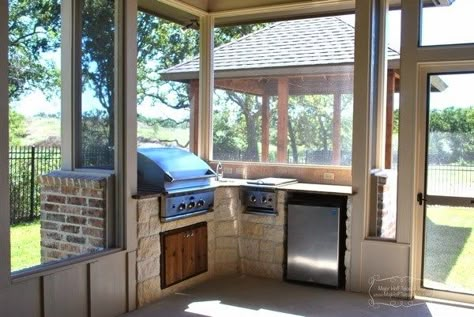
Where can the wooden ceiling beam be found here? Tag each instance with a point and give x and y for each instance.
(249, 86)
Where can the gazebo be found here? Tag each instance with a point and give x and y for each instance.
(297, 57)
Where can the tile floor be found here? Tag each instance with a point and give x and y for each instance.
(244, 296)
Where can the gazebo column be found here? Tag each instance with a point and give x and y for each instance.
(391, 82)
(282, 133)
(265, 128)
(194, 102)
(336, 130)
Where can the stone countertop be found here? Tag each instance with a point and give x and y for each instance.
(296, 187)
(319, 188)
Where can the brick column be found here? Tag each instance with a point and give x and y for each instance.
(73, 214)
(386, 205)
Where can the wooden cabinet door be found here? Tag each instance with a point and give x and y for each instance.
(173, 258)
(189, 253)
(201, 249)
(184, 253)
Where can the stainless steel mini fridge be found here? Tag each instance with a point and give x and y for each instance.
(313, 253)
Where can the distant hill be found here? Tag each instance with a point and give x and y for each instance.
(43, 132)
(46, 131)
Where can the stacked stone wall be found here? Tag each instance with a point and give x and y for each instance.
(238, 243)
(227, 212)
(261, 242)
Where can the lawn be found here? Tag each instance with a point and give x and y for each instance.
(148, 134)
(42, 129)
(25, 245)
(449, 248)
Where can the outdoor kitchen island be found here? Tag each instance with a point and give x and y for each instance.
(237, 242)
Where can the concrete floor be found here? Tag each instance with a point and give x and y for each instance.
(244, 296)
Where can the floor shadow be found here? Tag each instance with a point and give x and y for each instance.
(442, 247)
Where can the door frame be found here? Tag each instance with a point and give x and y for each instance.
(424, 70)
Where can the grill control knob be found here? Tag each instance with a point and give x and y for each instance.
(200, 203)
(191, 205)
(181, 207)
(264, 199)
(253, 198)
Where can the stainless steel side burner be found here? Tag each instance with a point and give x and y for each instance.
(259, 195)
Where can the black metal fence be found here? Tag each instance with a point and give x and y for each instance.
(97, 156)
(316, 157)
(454, 180)
(26, 163)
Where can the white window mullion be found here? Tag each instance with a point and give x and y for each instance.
(126, 122)
(206, 88)
(70, 80)
(362, 147)
(408, 150)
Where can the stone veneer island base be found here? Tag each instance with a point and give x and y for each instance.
(238, 243)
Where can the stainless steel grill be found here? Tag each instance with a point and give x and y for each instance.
(182, 179)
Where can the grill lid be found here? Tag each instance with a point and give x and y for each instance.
(166, 168)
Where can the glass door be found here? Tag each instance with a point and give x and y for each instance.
(448, 198)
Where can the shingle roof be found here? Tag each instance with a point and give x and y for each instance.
(294, 43)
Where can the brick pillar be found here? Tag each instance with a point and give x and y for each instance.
(73, 214)
(385, 217)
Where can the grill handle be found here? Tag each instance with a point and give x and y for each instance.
(171, 179)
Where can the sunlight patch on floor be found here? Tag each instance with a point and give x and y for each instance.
(215, 308)
(437, 309)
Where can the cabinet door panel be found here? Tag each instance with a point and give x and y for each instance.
(189, 253)
(173, 258)
(201, 249)
(184, 253)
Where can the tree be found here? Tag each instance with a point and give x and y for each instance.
(251, 113)
(226, 139)
(452, 135)
(98, 74)
(311, 117)
(163, 44)
(33, 30)
(17, 128)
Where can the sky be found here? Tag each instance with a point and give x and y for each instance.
(441, 25)
(451, 25)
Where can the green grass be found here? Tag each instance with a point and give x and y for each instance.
(149, 133)
(41, 129)
(449, 248)
(25, 245)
